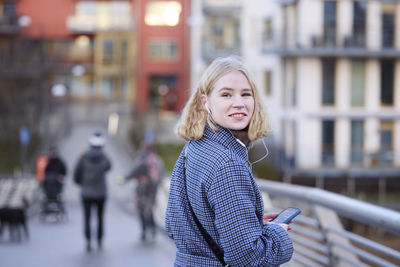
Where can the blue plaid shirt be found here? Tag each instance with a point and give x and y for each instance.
(227, 202)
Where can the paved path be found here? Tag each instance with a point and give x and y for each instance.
(62, 244)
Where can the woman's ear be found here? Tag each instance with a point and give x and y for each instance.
(203, 100)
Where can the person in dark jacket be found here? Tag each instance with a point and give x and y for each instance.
(90, 173)
(55, 172)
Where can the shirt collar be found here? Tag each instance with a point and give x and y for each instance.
(226, 138)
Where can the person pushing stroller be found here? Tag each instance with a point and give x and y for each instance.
(55, 172)
(52, 185)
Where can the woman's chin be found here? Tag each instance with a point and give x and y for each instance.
(237, 127)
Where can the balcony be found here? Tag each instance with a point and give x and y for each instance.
(224, 8)
(92, 24)
(212, 50)
(353, 46)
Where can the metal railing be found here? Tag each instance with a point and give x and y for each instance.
(318, 234)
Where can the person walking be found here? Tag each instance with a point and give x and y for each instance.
(90, 173)
(148, 170)
(215, 212)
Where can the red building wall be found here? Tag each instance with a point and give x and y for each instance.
(48, 17)
(146, 68)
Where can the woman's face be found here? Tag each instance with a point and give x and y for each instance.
(231, 101)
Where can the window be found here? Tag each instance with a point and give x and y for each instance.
(328, 142)
(163, 92)
(359, 22)
(220, 36)
(387, 82)
(386, 136)
(357, 83)
(328, 82)
(267, 83)
(163, 51)
(291, 144)
(124, 52)
(125, 88)
(267, 35)
(81, 48)
(86, 9)
(108, 86)
(163, 13)
(289, 92)
(330, 23)
(108, 52)
(78, 86)
(388, 25)
(8, 15)
(61, 48)
(293, 83)
(100, 15)
(357, 142)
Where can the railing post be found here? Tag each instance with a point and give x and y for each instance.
(320, 182)
(287, 177)
(351, 185)
(382, 189)
(329, 219)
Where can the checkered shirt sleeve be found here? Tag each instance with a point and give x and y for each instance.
(227, 202)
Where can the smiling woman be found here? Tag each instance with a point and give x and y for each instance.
(215, 211)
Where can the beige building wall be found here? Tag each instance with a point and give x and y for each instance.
(297, 127)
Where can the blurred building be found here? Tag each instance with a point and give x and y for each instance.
(163, 59)
(127, 50)
(90, 61)
(91, 44)
(340, 84)
(329, 71)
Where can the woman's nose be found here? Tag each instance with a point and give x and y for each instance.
(238, 102)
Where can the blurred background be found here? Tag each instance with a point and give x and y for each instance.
(328, 72)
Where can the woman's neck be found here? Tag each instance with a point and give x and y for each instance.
(242, 135)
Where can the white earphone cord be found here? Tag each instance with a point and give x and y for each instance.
(263, 157)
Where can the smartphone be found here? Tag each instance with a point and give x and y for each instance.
(286, 215)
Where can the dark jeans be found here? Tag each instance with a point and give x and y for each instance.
(88, 203)
(147, 221)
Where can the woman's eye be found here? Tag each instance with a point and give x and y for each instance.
(225, 95)
(247, 94)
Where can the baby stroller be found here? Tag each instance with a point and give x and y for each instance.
(52, 203)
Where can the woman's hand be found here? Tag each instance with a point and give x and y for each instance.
(267, 220)
(268, 216)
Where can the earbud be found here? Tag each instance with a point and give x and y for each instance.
(208, 110)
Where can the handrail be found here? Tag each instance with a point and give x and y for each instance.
(367, 243)
(357, 210)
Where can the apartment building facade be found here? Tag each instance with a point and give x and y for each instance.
(340, 82)
(329, 72)
(91, 44)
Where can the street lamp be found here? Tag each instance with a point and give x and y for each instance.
(58, 90)
(78, 70)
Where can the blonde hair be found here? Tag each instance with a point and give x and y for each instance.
(194, 116)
